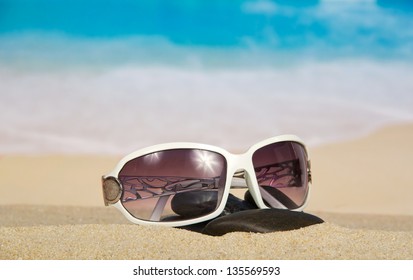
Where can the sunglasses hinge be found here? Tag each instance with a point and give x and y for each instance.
(112, 190)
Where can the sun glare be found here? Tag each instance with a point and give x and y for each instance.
(152, 158)
(206, 161)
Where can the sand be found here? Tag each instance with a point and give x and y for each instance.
(51, 208)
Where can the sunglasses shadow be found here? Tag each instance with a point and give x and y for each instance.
(244, 216)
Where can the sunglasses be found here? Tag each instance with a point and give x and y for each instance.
(179, 184)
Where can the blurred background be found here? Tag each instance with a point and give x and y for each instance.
(110, 76)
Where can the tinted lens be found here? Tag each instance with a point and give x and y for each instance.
(173, 185)
(281, 171)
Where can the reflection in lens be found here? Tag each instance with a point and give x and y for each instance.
(165, 185)
(281, 172)
(206, 162)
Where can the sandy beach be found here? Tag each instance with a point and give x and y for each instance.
(51, 207)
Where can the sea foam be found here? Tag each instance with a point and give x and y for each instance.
(118, 110)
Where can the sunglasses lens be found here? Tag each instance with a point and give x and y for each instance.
(173, 185)
(281, 171)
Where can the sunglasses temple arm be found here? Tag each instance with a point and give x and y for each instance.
(271, 199)
(160, 206)
(240, 183)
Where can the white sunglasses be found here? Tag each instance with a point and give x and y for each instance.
(179, 184)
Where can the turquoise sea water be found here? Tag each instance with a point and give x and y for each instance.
(112, 76)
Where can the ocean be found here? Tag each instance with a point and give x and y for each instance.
(110, 77)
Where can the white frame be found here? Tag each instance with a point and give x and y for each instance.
(235, 163)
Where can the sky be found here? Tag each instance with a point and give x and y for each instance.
(327, 28)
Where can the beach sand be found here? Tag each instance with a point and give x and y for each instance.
(51, 207)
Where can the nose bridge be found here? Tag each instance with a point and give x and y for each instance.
(242, 163)
(244, 177)
(241, 170)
